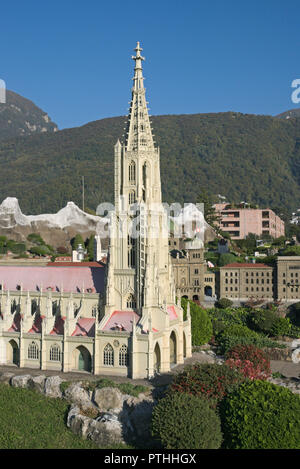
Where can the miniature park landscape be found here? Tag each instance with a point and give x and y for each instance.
(230, 366)
(113, 352)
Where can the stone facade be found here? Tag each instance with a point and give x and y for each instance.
(241, 282)
(288, 278)
(192, 278)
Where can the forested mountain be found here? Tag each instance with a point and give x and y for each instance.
(289, 114)
(20, 116)
(241, 156)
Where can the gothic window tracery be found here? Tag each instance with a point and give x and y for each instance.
(55, 353)
(131, 172)
(108, 355)
(131, 302)
(123, 356)
(131, 197)
(33, 351)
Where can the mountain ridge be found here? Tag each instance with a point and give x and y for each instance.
(20, 116)
(241, 156)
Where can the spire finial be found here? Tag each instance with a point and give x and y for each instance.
(138, 63)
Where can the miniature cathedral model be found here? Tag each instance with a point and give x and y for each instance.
(115, 319)
(140, 273)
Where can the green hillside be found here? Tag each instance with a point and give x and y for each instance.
(244, 157)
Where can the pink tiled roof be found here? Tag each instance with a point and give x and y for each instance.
(121, 318)
(58, 328)
(85, 327)
(240, 264)
(172, 312)
(15, 327)
(66, 263)
(37, 325)
(70, 279)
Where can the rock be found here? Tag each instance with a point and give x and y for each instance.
(79, 425)
(37, 383)
(20, 381)
(74, 410)
(108, 399)
(52, 386)
(278, 353)
(296, 355)
(107, 417)
(5, 378)
(295, 343)
(106, 433)
(78, 395)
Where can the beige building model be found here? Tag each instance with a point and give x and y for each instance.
(115, 319)
(240, 281)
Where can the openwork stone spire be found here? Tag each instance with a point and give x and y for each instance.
(138, 129)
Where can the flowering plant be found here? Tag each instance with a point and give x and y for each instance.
(250, 361)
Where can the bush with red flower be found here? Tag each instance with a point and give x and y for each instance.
(249, 360)
(210, 381)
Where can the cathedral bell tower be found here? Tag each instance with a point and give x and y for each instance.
(139, 276)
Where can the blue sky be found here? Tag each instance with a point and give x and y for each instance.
(73, 59)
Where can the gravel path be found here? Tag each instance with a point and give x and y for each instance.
(287, 369)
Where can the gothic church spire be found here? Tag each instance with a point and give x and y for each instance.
(138, 129)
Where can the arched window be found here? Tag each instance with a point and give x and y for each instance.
(144, 174)
(131, 302)
(131, 172)
(33, 351)
(55, 354)
(123, 356)
(131, 251)
(131, 197)
(108, 355)
(34, 306)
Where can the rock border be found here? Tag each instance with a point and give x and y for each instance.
(104, 415)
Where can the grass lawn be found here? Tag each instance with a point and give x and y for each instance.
(30, 420)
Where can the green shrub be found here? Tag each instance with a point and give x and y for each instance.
(35, 238)
(281, 326)
(226, 258)
(223, 303)
(211, 381)
(40, 250)
(221, 319)
(237, 334)
(262, 320)
(201, 324)
(183, 421)
(18, 248)
(261, 415)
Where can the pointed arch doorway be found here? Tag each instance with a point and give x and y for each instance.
(84, 359)
(13, 352)
(156, 359)
(173, 349)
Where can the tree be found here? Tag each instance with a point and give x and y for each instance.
(76, 241)
(200, 322)
(210, 214)
(90, 247)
